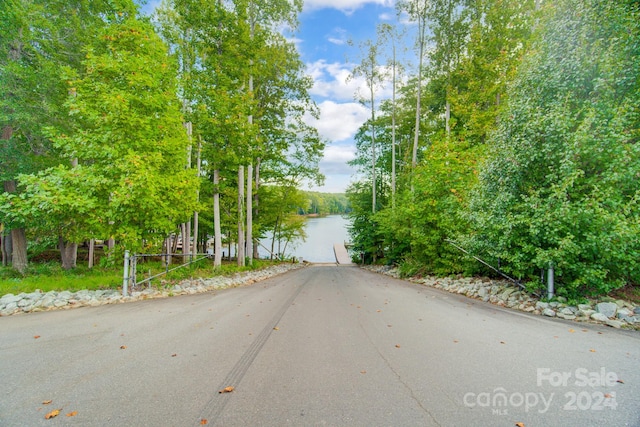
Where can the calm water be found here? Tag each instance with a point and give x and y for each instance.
(322, 233)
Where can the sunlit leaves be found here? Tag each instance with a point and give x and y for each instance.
(561, 186)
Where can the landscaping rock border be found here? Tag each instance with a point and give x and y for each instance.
(45, 301)
(614, 313)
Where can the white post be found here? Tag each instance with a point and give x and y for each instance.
(125, 276)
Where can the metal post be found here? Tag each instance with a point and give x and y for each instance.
(550, 281)
(125, 276)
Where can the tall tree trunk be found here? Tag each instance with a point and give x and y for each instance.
(7, 248)
(92, 246)
(240, 216)
(249, 239)
(217, 233)
(256, 201)
(196, 214)
(393, 131)
(373, 150)
(414, 154)
(68, 253)
(19, 259)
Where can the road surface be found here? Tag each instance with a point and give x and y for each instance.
(323, 345)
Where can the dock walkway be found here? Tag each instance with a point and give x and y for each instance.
(342, 256)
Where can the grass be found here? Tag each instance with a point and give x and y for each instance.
(49, 276)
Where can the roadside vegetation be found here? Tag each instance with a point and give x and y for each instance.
(50, 276)
(517, 141)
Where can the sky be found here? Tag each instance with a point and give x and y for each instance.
(325, 28)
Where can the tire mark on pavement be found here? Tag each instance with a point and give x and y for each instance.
(216, 404)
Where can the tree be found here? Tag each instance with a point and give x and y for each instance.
(560, 186)
(128, 139)
(39, 38)
(417, 11)
(374, 76)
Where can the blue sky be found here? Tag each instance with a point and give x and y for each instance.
(325, 27)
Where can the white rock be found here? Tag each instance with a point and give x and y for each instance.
(599, 317)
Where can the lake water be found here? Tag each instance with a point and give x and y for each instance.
(322, 234)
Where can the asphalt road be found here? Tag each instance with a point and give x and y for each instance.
(323, 345)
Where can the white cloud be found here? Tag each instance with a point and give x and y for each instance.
(338, 36)
(347, 6)
(330, 80)
(339, 121)
(335, 156)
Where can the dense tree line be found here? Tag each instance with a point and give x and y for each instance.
(325, 204)
(527, 116)
(128, 129)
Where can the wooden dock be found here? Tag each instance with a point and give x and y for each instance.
(342, 256)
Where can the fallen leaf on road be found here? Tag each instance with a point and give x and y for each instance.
(174, 355)
(36, 336)
(52, 414)
(607, 396)
(502, 342)
(203, 422)
(388, 326)
(227, 389)
(276, 329)
(378, 311)
(456, 341)
(363, 372)
(47, 402)
(519, 424)
(620, 381)
(397, 345)
(571, 330)
(72, 414)
(592, 351)
(585, 330)
(123, 347)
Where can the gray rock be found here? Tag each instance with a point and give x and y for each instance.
(47, 301)
(9, 298)
(620, 303)
(561, 299)
(548, 312)
(506, 293)
(599, 317)
(568, 310)
(482, 292)
(623, 312)
(33, 295)
(607, 308)
(614, 323)
(586, 313)
(542, 305)
(636, 310)
(8, 311)
(584, 307)
(65, 295)
(554, 304)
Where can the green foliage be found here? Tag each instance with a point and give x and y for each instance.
(561, 185)
(128, 143)
(325, 203)
(539, 161)
(418, 228)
